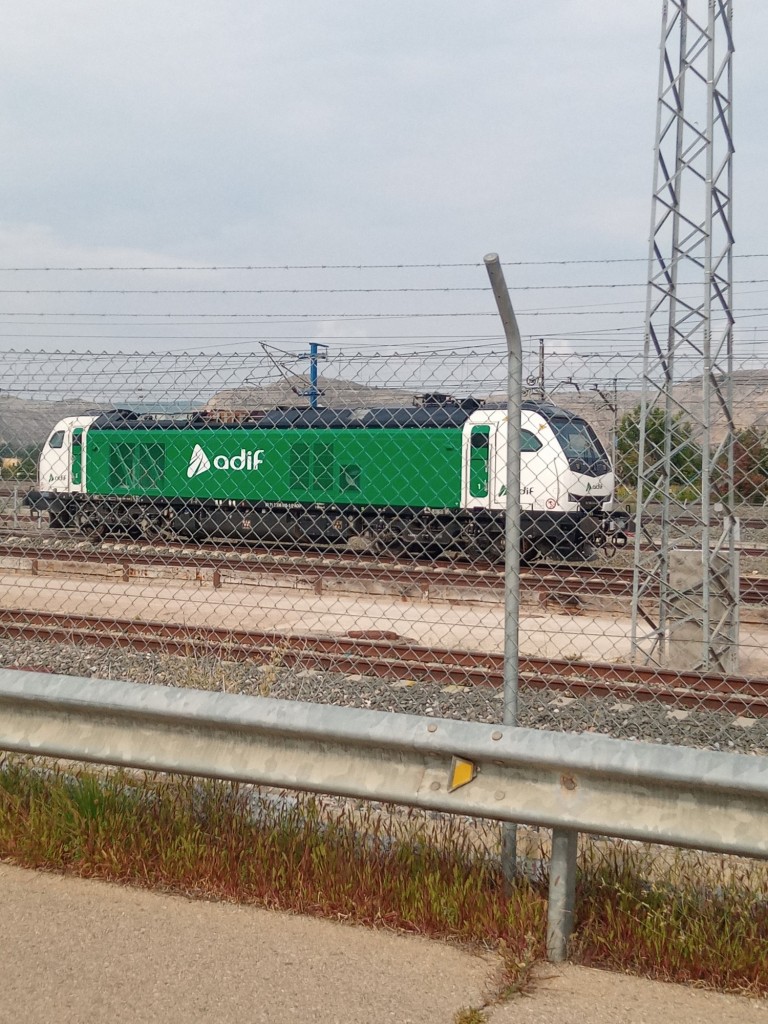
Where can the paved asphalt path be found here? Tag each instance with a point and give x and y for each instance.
(85, 952)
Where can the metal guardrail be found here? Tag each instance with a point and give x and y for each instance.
(571, 783)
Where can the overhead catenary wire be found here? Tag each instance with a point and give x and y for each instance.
(621, 322)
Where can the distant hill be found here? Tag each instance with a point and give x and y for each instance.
(172, 408)
(341, 394)
(750, 404)
(750, 399)
(25, 423)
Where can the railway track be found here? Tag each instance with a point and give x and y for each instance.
(313, 568)
(388, 656)
(21, 523)
(561, 584)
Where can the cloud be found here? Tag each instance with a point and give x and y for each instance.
(171, 124)
(350, 131)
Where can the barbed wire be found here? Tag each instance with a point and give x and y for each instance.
(333, 291)
(337, 358)
(595, 261)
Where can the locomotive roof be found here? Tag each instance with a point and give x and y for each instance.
(448, 414)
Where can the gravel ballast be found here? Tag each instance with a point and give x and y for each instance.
(644, 721)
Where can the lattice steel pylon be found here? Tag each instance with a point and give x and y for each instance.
(685, 595)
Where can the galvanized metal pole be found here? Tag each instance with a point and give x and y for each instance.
(512, 529)
(542, 385)
(562, 893)
(314, 390)
(314, 354)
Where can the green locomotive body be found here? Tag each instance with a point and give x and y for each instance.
(383, 468)
(430, 478)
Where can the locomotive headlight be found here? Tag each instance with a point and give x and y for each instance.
(590, 503)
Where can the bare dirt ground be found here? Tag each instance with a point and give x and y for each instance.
(578, 995)
(82, 952)
(543, 633)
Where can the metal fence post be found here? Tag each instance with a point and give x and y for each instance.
(562, 893)
(512, 536)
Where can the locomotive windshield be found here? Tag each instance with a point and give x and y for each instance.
(581, 446)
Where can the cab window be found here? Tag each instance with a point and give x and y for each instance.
(479, 458)
(57, 439)
(529, 442)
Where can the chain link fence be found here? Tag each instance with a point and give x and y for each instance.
(334, 532)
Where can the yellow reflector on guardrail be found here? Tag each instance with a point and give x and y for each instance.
(462, 772)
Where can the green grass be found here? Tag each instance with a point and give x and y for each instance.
(698, 921)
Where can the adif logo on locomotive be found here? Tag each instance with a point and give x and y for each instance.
(200, 463)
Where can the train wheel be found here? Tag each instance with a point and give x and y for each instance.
(481, 549)
(94, 533)
(92, 527)
(528, 552)
(61, 520)
(153, 530)
(390, 548)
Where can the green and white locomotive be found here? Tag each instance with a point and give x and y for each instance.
(427, 478)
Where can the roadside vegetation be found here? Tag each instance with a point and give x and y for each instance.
(750, 459)
(684, 918)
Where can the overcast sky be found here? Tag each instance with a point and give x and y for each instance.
(278, 132)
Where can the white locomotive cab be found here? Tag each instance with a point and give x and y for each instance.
(484, 462)
(589, 479)
(62, 460)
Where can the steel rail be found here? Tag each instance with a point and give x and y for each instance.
(15, 528)
(410, 579)
(384, 655)
(314, 567)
